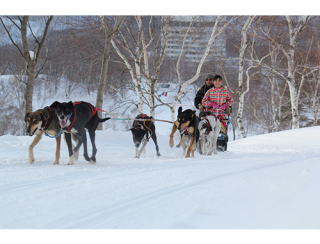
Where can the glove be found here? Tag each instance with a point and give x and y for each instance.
(201, 107)
(214, 105)
(223, 106)
(228, 112)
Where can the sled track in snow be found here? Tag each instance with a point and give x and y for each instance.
(110, 218)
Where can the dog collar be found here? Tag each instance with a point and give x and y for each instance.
(74, 119)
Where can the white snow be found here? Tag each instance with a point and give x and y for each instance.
(263, 182)
(31, 53)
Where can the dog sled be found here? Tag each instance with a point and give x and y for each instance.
(222, 141)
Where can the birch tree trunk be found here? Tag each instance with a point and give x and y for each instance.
(294, 90)
(136, 71)
(243, 46)
(273, 105)
(152, 79)
(315, 100)
(28, 95)
(275, 89)
(108, 34)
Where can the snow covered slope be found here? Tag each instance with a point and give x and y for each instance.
(266, 181)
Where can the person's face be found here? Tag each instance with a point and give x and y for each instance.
(217, 83)
(209, 81)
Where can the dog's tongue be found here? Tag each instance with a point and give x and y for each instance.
(63, 123)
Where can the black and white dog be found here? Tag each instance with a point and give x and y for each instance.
(209, 128)
(74, 118)
(141, 132)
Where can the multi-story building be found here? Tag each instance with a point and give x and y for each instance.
(195, 39)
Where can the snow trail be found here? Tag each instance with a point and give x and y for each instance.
(266, 181)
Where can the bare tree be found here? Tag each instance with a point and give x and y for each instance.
(30, 56)
(135, 54)
(152, 68)
(314, 97)
(241, 62)
(293, 66)
(108, 35)
(216, 31)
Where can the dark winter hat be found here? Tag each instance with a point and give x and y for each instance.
(210, 76)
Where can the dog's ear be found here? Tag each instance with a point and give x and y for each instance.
(44, 116)
(54, 105)
(70, 104)
(192, 114)
(179, 110)
(132, 129)
(26, 116)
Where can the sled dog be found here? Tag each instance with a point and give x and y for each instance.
(39, 122)
(74, 118)
(209, 129)
(140, 132)
(187, 124)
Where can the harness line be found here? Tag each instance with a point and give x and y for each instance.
(126, 118)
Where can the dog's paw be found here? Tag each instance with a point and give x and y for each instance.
(31, 159)
(158, 154)
(55, 163)
(71, 162)
(171, 143)
(93, 160)
(86, 157)
(76, 155)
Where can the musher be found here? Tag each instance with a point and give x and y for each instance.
(202, 91)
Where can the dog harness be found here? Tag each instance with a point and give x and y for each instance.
(143, 116)
(209, 129)
(46, 125)
(93, 110)
(222, 121)
(185, 131)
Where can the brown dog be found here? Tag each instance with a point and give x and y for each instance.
(187, 124)
(43, 121)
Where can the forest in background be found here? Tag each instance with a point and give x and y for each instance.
(270, 64)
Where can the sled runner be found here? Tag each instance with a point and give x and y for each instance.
(222, 142)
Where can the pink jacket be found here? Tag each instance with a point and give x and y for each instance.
(218, 96)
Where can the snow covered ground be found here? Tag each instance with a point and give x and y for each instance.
(263, 182)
